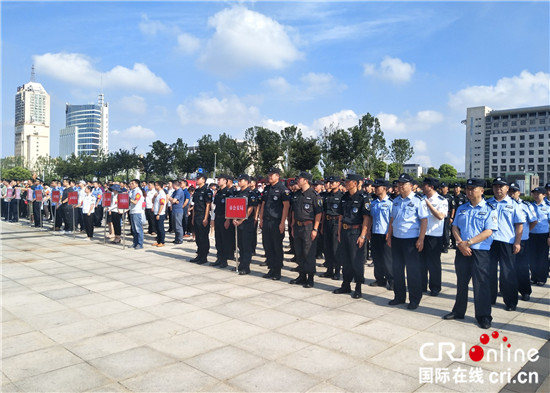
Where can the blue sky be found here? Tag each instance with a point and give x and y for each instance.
(184, 69)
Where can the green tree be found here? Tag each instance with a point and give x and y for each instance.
(12, 162)
(335, 150)
(269, 150)
(433, 172)
(206, 151)
(395, 170)
(163, 158)
(17, 173)
(447, 170)
(305, 153)
(181, 158)
(288, 135)
(380, 168)
(45, 167)
(127, 161)
(234, 156)
(146, 165)
(368, 145)
(401, 151)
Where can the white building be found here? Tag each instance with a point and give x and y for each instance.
(413, 169)
(86, 129)
(499, 142)
(32, 122)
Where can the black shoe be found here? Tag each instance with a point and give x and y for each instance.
(294, 269)
(510, 308)
(395, 302)
(217, 263)
(326, 274)
(263, 264)
(499, 294)
(342, 290)
(452, 315)
(308, 284)
(434, 293)
(336, 276)
(357, 294)
(293, 259)
(525, 297)
(389, 287)
(269, 274)
(199, 262)
(244, 272)
(290, 252)
(412, 306)
(196, 259)
(370, 264)
(223, 265)
(301, 279)
(445, 250)
(179, 242)
(376, 284)
(485, 324)
(276, 277)
(539, 284)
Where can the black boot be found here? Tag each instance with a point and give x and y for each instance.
(276, 274)
(309, 281)
(328, 274)
(357, 294)
(269, 274)
(223, 264)
(345, 288)
(301, 279)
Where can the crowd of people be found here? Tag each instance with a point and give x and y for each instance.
(404, 226)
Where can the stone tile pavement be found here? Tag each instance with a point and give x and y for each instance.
(81, 316)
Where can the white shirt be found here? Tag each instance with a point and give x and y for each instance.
(149, 199)
(160, 203)
(136, 194)
(81, 195)
(114, 203)
(88, 202)
(435, 226)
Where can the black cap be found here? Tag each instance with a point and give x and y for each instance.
(539, 189)
(405, 178)
(514, 186)
(500, 181)
(395, 182)
(223, 176)
(274, 169)
(318, 183)
(474, 183)
(244, 176)
(368, 182)
(381, 183)
(547, 186)
(354, 176)
(201, 175)
(305, 175)
(443, 184)
(431, 181)
(115, 187)
(292, 182)
(332, 178)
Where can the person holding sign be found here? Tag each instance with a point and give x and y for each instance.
(37, 189)
(245, 226)
(88, 211)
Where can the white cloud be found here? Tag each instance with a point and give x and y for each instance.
(77, 69)
(420, 146)
(246, 39)
(133, 104)
(278, 125)
(527, 89)
(344, 119)
(133, 133)
(311, 86)
(392, 69)
(279, 84)
(423, 120)
(188, 44)
(422, 160)
(454, 160)
(151, 27)
(221, 112)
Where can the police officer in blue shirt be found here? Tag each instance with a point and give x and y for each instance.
(406, 233)
(377, 231)
(473, 227)
(538, 238)
(506, 244)
(524, 255)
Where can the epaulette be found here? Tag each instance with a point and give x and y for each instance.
(491, 205)
(420, 196)
(515, 200)
(441, 197)
(526, 203)
(547, 202)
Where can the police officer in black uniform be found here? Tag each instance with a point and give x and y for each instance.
(275, 204)
(224, 229)
(331, 216)
(202, 199)
(459, 200)
(444, 191)
(245, 227)
(307, 209)
(352, 233)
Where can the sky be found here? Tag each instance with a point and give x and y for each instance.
(185, 69)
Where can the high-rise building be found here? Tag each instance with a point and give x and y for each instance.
(32, 121)
(86, 129)
(506, 142)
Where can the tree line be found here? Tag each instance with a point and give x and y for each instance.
(359, 149)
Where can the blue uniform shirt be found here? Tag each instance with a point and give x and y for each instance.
(509, 214)
(38, 187)
(98, 194)
(407, 213)
(178, 194)
(472, 220)
(543, 216)
(380, 211)
(530, 216)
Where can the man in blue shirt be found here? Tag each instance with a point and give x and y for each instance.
(186, 200)
(538, 238)
(407, 229)
(506, 244)
(177, 211)
(377, 231)
(473, 227)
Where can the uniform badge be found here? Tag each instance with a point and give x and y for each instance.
(275, 197)
(366, 205)
(354, 210)
(320, 202)
(495, 219)
(200, 198)
(335, 206)
(306, 206)
(223, 200)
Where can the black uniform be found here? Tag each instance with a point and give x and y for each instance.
(447, 225)
(225, 238)
(67, 210)
(245, 232)
(272, 238)
(331, 208)
(305, 206)
(258, 195)
(459, 199)
(201, 198)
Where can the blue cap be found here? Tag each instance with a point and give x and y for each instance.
(475, 183)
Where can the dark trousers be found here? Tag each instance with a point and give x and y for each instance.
(405, 255)
(160, 228)
(89, 224)
(254, 235)
(202, 236)
(37, 213)
(539, 260)
(381, 257)
(352, 257)
(320, 245)
(430, 259)
(116, 220)
(68, 217)
(305, 248)
(501, 254)
(475, 267)
(446, 232)
(5, 206)
(330, 238)
(98, 215)
(78, 218)
(225, 239)
(14, 211)
(522, 268)
(272, 240)
(59, 214)
(245, 242)
(169, 215)
(291, 239)
(150, 221)
(184, 222)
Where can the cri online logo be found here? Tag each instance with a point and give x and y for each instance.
(477, 353)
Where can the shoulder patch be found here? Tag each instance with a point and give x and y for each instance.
(491, 205)
(441, 197)
(526, 203)
(420, 196)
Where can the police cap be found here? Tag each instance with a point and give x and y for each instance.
(381, 183)
(306, 175)
(514, 186)
(443, 184)
(500, 181)
(431, 182)
(539, 189)
(244, 176)
(332, 178)
(547, 186)
(223, 176)
(201, 175)
(460, 185)
(474, 183)
(274, 169)
(354, 176)
(405, 178)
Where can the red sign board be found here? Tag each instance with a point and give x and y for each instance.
(73, 198)
(123, 201)
(56, 196)
(235, 208)
(38, 195)
(29, 194)
(9, 193)
(107, 198)
(17, 193)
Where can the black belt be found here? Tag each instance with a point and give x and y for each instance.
(348, 226)
(329, 218)
(304, 223)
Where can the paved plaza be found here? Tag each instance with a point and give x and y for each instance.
(81, 316)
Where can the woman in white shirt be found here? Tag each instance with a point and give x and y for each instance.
(88, 211)
(114, 213)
